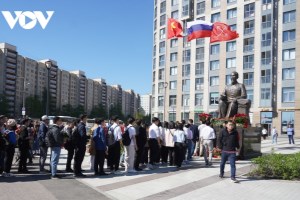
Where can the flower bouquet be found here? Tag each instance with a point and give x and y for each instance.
(241, 120)
(216, 153)
(204, 116)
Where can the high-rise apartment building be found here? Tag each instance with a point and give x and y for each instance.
(146, 104)
(188, 77)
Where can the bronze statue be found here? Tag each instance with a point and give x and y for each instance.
(233, 99)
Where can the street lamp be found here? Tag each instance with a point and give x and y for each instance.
(48, 65)
(165, 94)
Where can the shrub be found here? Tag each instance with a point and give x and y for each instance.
(277, 166)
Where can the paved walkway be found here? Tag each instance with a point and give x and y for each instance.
(193, 181)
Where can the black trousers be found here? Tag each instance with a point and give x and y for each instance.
(178, 153)
(138, 157)
(113, 159)
(79, 156)
(154, 149)
(145, 157)
(23, 158)
(171, 155)
(99, 161)
(164, 154)
(71, 152)
(9, 155)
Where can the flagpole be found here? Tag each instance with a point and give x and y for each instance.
(184, 54)
(165, 71)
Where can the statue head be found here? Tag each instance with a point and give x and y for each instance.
(234, 77)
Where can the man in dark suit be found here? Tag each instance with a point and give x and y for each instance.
(195, 131)
(79, 141)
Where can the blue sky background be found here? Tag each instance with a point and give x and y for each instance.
(107, 39)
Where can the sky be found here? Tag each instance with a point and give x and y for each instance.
(105, 39)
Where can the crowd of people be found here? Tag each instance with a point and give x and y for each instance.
(131, 146)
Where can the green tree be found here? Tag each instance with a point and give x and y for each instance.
(116, 110)
(3, 105)
(34, 107)
(98, 111)
(66, 110)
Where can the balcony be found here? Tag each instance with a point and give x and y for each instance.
(248, 65)
(248, 30)
(266, 43)
(12, 66)
(266, 61)
(10, 87)
(10, 82)
(8, 76)
(266, 24)
(266, 79)
(11, 60)
(248, 82)
(248, 48)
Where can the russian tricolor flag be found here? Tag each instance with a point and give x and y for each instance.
(199, 29)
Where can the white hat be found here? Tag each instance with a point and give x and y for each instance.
(11, 122)
(44, 117)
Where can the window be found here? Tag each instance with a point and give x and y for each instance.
(228, 79)
(266, 4)
(172, 100)
(173, 57)
(199, 83)
(186, 55)
(231, 46)
(288, 73)
(248, 78)
(200, 8)
(214, 49)
(199, 68)
(186, 43)
(153, 102)
(231, 13)
(154, 38)
(233, 27)
(289, 35)
(214, 80)
(160, 101)
(249, 27)
(174, 2)
(230, 62)
(185, 8)
(266, 57)
(174, 43)
(186, 70)
(266, 21)
(162, 20)
(162, 33)
(285, 2)
(161, 60)
(155, 12)
(289, 54)
(173, 71)
(248, 44)
(215, 17)
(200, 41)
(173, 85)
(163, 7)
(185, 100)
(214, 65)
(248, 62)
(215, 3)
(174, 14)
(155, 24)
(198, 99)
(186, 85)
(266, 76)
(153, 76)
(266, 39)
(265, 93)
(249, 10)
(231, 1)
(154, 50)
(288, 94)
(160, 88)
(162, 48)
(161, 74)
(200, 53)
(289, 16)
(250, 95)
(214, 98)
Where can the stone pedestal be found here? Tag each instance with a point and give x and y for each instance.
(250, 142)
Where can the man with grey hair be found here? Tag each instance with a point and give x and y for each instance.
(42, 143)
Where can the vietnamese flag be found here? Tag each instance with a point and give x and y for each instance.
(174, 28)
(222, 32)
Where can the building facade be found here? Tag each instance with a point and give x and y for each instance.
(22, 77)
(188, 77)
(146, 104)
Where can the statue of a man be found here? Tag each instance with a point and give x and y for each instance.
(233, 99)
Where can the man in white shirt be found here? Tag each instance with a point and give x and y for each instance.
(200, 143)
(114, 149)
(154, 141)
(130, 150)
(274, 135)
(208, 135)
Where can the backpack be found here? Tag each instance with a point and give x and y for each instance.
(126, 140)
(111, 136)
